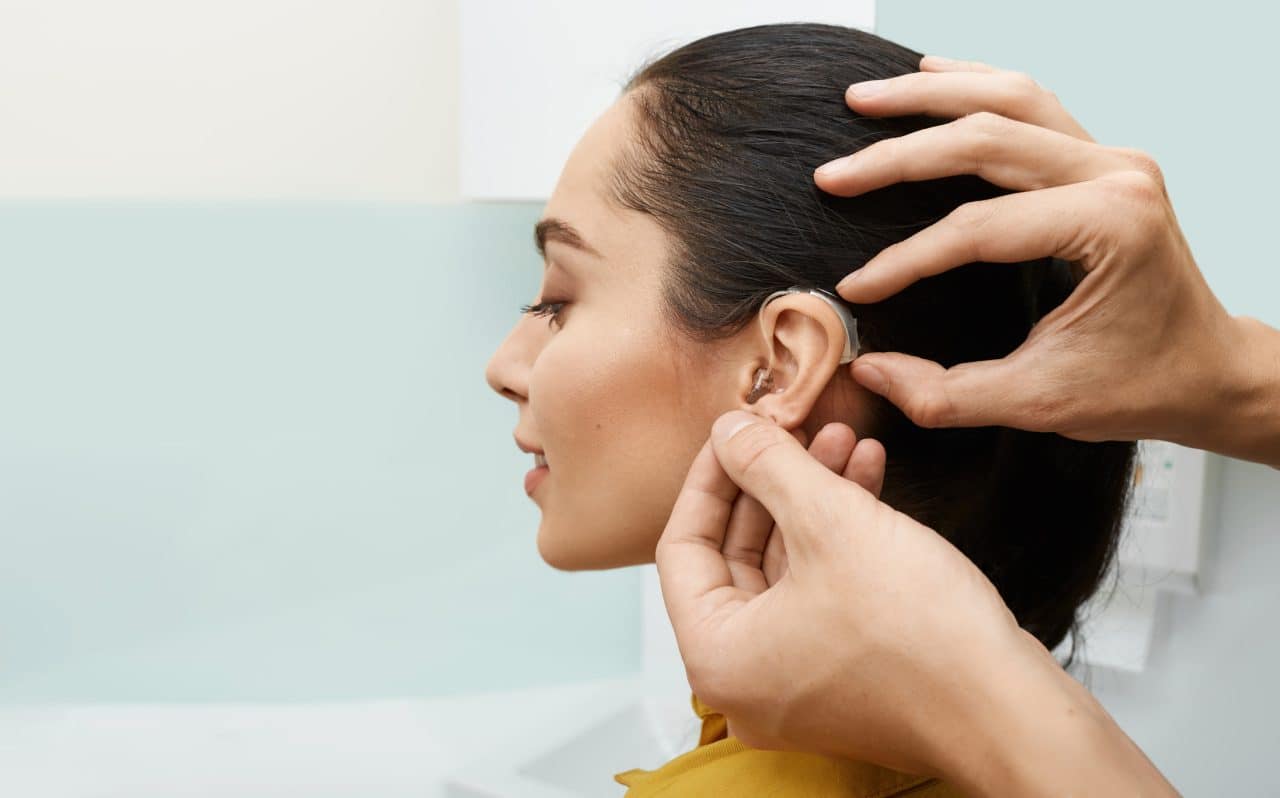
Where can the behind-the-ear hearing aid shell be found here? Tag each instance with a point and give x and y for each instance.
(851, 348)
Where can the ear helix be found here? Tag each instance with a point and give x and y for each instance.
(852, 344)
(764, 379)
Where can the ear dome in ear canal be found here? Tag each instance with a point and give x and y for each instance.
(762, 385)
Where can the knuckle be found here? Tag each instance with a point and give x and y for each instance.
(967, 225)
(744, 554)
(930, 409)
(753, 444)
(1024, 86)
(1137, 188)
(971, 216)
(983, 132)
(987, 123)
(1025, 93)
(1142, 162)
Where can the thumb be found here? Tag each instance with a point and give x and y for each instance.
(976, 394)
(768, 463)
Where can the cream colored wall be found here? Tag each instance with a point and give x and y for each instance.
(238, 99)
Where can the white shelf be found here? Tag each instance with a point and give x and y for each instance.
(387, 749)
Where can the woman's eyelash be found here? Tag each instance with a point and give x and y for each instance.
(552, 309)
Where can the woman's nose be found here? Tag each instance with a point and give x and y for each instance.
(508, 370)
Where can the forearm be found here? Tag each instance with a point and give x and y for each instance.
(1032, 730)
(1243, 418)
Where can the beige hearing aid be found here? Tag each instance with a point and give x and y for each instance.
(764, 380)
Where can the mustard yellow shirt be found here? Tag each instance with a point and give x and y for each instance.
(724, 766)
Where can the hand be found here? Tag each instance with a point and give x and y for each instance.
(754, 548)
(1141, 349)
(879, 641)
(844, 582)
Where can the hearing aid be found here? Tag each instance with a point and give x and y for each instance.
(762, 386)
(764, 379)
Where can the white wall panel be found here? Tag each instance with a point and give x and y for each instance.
(535, 74)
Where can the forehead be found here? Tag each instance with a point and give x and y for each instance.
(590, 163)
(583, 195)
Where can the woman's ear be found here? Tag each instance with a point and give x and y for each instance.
(801, 341)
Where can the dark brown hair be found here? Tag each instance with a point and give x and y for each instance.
(730, 130)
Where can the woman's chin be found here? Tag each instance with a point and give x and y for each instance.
(561, 554)
(569, 553)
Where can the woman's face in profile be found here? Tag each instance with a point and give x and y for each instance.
(617, 400)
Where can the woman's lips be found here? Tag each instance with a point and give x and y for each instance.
(534, 478)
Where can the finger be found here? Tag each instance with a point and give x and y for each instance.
(744, 543)
(866, 466)
(955, 94)
(696, 581)
(1012, 154)
(775, 558)
(832, 447)
(936, 63)
(750, 524)
(769, 464)
(1054, 222)
(985, 393)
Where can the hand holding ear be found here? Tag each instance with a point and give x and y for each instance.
(878, 640)
(1141, 349)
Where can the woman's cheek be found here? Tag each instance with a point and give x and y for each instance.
(590, 377)
(609, 415)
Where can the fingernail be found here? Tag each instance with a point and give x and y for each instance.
(831, 167)
(848, 281)
(938, 60)
(731, 423)
(869, 377)
(869, 88)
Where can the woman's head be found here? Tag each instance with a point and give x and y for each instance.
(686, 204)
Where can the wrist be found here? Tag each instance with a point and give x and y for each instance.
(1244, 418)
(1030, 729)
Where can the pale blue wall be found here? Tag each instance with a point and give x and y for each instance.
(1191, 83)
(1196, 90)
(247, 452)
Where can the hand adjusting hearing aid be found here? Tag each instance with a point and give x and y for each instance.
(764, 380)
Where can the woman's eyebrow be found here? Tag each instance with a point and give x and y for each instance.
(553, 229)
